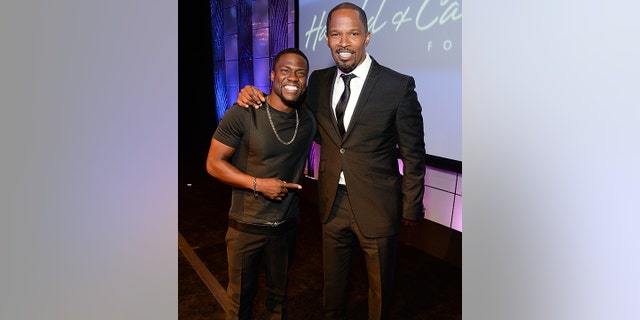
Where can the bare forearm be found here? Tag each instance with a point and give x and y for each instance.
(227, 173)
(219, 167)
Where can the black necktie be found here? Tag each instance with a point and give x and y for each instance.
(342, 103)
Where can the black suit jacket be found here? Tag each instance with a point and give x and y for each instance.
(386, 124)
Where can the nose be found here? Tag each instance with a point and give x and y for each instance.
(343, 41)
(292, 76)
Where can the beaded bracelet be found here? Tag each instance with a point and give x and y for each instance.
(255, 192)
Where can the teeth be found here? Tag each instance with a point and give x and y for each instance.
(344, 54)
(291, 88)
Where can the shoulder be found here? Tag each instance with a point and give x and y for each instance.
(235, 123)
(236, 109)
(235, 115)
(322, 73)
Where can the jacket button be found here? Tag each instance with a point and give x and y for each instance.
(342, 150)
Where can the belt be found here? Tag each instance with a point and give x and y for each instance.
(269, 228)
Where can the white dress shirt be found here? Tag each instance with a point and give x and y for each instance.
(355, 85)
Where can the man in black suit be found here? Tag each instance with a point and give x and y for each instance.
(362, 195)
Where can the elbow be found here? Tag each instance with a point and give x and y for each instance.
(210, 169)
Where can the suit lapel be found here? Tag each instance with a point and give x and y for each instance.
(325, 110)
(367, 89)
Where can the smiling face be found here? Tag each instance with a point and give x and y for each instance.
(289, 78)
(347, 38)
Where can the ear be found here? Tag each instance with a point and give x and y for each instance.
(273, 76)
(367, 38)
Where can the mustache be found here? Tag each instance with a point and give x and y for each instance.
(344, 50)
(290, 83)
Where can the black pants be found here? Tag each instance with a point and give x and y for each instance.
(338, 237)
(246, 253)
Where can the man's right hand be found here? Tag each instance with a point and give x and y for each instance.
(274, 188)
(250, 96)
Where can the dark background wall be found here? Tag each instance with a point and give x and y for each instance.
(196, 105)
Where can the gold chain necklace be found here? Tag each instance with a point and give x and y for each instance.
(295, 132)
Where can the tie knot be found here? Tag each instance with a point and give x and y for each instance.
(347, 78)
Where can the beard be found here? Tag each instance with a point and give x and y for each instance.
(291, 100)
(347, 68)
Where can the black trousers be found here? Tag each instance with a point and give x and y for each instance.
(246, 253)
(338, 237)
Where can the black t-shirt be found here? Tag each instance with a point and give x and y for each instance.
(259, 153)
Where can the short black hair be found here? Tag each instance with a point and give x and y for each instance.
(349, 5)
(289, 50)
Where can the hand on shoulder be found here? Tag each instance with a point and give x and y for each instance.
(250, 96)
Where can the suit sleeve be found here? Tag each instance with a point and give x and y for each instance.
(412, 151)
(311, 94)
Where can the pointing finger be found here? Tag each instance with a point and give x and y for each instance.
(292, 185)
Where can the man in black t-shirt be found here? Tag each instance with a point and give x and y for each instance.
(261, 153)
